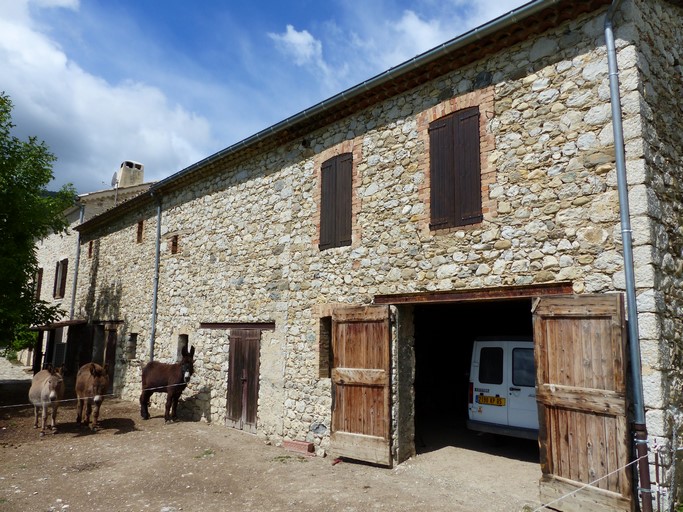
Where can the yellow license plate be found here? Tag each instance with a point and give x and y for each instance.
(490, 400)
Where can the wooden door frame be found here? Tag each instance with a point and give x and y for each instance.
(404, 436)
(230, 326)
(242, 395)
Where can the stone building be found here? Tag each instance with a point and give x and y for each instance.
(58, 257)
(333, 270)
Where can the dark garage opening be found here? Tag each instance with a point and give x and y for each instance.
(444, 336)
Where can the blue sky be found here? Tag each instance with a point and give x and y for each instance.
(168, 83)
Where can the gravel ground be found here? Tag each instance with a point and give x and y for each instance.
(136, 465)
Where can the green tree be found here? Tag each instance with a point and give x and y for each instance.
(27, 214)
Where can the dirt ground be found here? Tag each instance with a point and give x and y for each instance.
(136, 465)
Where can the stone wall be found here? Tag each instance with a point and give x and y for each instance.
(51, 250)
(247, 235)
(659, 93)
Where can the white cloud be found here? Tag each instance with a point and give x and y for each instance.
(90, 124)
(307, 52)
(404, 34)
(70, 4)
(300, 45)
(412, 35)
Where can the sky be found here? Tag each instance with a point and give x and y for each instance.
(169, 83)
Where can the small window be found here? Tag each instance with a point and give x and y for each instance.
(455, 170)
(523, 372)
(141, 228)
(491, 365)
(183, 342)
(325, 348)
(60, 279)
(174, 244)
(336, 201)
(37, 283)
(90, 248)
(131, 346)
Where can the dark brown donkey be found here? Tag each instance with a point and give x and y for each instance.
(92, 382)
(166, 378)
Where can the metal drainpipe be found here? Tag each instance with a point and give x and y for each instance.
(156, 281)
(76, 264)
(639, 427)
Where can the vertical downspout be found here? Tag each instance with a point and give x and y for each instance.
(156, 281)
(76, 264)
(639, 427)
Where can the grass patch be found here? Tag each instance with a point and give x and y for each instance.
(205, 454)
(289, 458)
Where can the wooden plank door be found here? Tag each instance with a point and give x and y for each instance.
(243, 379)
(110, 355)
(584, 432)
(361, 408)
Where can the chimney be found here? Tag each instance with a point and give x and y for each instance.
(130, 174)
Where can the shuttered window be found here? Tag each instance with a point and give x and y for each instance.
(335, 201)
(60, 279)
(455, 169)
(38, 283)
(174, 244)
(141, 227)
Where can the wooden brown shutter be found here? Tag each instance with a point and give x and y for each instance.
(468, 167)
(38, 283)
(55, 287)
(336, 201)
(442, 172)
(327, 188)
(62, 284)
(344, 200)
(455, 170)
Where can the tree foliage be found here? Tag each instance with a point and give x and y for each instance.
(28, 213)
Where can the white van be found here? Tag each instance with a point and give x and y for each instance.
(502, 394)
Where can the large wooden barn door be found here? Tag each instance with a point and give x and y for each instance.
(361, 408)
(243, 379)
(584, 433)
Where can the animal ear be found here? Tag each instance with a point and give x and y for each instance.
(106, 368)
(192, 352)
(49, 368)
(93, 370)
(183, 350)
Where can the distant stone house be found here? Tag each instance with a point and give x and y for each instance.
(333, 270)
(58, 256)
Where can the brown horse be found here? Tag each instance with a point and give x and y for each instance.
(47, 389)
(92, 382)
(166, 378)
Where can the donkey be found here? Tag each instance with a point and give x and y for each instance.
(166, 378)
(47, 388)
(92, 383)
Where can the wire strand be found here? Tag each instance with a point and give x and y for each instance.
(86, 397)
(546, 505)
